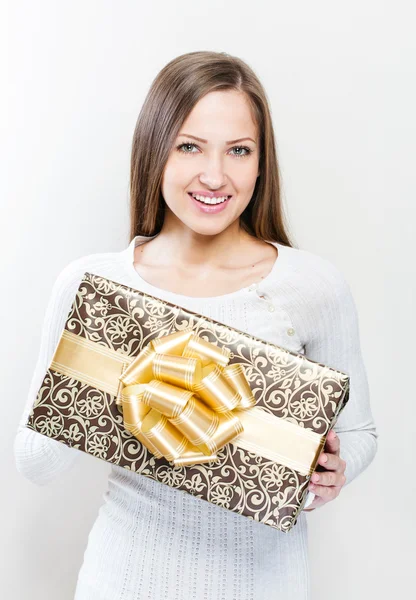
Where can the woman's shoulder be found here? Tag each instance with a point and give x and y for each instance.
(310, 278)
(312, 268)
(105, 264)
(313, 290)
(98, 260)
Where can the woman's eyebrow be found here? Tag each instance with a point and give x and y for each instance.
(206, 141)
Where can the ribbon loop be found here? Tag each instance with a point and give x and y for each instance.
(179, 395)
(183, 372)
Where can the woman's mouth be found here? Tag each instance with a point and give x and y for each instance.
(208, 206)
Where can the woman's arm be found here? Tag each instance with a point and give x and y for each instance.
(39, 458)
(335, 341)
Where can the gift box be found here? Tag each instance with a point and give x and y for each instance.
(188, 401)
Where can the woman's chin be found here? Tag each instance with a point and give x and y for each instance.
(206, 228)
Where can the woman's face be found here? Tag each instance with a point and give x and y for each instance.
(213, 163)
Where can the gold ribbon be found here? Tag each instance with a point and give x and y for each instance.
(179, 398)
(265, 434)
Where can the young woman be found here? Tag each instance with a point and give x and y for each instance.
(207, 232)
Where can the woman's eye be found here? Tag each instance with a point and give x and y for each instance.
(247, 150)
(182, 148)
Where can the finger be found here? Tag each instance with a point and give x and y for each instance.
(328, 478)
(325, 492)
(332, 443)
(316, 503)
(331, 462)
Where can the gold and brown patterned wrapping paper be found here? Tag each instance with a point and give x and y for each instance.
(114, 323)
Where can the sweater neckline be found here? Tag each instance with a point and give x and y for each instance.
(158, 292)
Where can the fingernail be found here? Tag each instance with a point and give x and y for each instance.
(315, 477)
(324, 458)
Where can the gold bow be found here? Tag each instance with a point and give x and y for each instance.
(178, 398)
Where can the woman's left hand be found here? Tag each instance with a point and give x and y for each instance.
(327, 484)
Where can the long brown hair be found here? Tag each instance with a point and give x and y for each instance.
(172, 95)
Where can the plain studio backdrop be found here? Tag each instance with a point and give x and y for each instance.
(340, 81)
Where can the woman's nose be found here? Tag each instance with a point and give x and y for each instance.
(213, 176)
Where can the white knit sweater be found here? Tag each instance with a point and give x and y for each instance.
(152, 542)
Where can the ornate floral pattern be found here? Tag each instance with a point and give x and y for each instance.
(284, 383)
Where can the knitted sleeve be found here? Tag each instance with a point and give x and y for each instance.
(39, 458)
(332, 337)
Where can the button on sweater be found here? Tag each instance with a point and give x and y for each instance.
(150, 541)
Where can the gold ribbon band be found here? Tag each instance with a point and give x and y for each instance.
(182, 400)
(89, 362)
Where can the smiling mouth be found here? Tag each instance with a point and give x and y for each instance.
(210, 201)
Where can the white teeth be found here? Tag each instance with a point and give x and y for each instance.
(207, 200)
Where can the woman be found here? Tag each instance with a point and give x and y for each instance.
(207, 232)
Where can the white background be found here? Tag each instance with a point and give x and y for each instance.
(340, 78)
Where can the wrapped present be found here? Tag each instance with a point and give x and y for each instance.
(188, 401)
